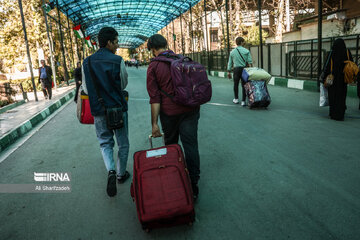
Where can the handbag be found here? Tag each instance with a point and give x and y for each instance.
(324, 97)
(83, 111)
(329, 80)
(113, 115)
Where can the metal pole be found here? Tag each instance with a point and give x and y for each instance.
(260, 35)
(319, 41)
(295, 58)
(269, 58)
(50, 48)
(192, 33)
(174, 35)
(167, 33)
(227, 28)
(71, 43)
(77, 49)
(182, 38)
(311, 61)
(207, 39)
(357, 50)
(281, 58)
(62, 45)
(27, 48)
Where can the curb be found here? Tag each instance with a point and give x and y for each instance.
(293, 83)
(11, 106)
(26, 126)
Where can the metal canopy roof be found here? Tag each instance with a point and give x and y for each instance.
(135, 20)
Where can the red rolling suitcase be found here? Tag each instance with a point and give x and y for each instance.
(161, 187)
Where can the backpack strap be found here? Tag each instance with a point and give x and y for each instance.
(241, 56)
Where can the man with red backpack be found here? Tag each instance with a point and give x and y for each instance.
(179, 114)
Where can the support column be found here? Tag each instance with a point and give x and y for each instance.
(174, 35)
(182, 38)
(50, 48)
(207, 39)
(260, 35)
(66, 74)
(192, 33)
(227, 28)
(71, 44)
(27, 48)
(319, 41)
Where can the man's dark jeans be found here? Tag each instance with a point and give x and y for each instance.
(237, 78)
(186, 126)
(46, 87)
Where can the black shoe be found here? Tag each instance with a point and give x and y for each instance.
(111, 185)
(195, 189)
(124, 177)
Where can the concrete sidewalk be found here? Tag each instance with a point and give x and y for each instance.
(18, 121)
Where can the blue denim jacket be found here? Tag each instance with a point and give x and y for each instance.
(108, 68)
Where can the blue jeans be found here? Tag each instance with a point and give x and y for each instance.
(106, 140)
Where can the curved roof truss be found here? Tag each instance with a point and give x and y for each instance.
(135, 20)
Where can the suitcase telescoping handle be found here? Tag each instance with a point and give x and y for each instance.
(151, 137)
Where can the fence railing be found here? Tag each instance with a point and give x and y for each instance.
(297, 59)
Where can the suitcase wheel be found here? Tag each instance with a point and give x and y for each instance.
(146, 229)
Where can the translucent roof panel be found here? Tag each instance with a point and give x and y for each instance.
(135, 20)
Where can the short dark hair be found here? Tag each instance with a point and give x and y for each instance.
(106, 34)
(156, 41)
(239, 40)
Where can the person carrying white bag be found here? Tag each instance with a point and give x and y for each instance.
(239, 58)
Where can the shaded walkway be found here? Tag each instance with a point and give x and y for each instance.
(272, 174)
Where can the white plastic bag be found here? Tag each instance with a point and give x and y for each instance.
(324, 99)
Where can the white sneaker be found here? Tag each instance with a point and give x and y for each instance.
(243, 103)
(236, 101)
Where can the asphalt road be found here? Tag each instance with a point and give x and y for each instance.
(288, 172)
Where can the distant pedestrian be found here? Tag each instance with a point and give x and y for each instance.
(78, 79)
(338, 90)
(45, 74)
(239, 58)
(104, 79)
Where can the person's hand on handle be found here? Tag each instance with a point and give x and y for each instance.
(229, 75)
(156, 131)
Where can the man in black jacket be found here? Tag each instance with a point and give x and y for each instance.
(45, 74)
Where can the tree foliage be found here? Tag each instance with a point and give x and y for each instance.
(12, 43)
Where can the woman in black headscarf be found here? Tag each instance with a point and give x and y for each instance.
(338, 90)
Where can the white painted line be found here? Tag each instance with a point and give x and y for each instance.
(212, 73)
(221, 104)
(18, 143)
(221, 74)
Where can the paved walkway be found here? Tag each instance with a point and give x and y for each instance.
(17, 117)
(288, 172)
